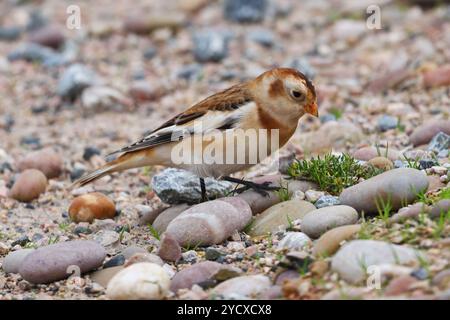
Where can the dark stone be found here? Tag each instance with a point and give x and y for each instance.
(36, 21)
(81, 230)
(10, 33)
(114, 261)
(420, 274)
(89, 152)
(33, 52)
(245, 10)
(427, 163)
(31, 140)
(149, 53)
(212, 254)
(210, 46)
(23, 240)
(190, 72)
(76, 174)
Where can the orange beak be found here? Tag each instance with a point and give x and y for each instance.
(312, 109)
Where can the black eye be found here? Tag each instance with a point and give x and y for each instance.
(296, 94)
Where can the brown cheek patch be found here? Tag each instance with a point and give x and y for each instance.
(276, 88)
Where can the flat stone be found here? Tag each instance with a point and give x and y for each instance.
(12, 262)
(58, 261)
(319, 221)
(398, 186)
(352, 260)
(278, 216)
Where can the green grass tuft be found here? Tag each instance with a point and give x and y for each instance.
(332, 173)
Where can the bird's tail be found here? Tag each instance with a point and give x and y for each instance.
(124, 162)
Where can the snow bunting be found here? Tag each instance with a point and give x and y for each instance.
(226, 132)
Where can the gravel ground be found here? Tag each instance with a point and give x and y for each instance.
(147, 61)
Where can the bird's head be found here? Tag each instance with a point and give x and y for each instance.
(287, 92)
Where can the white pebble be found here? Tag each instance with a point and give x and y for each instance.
(143, 281)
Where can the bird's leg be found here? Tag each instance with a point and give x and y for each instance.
(203, 188)
(261, 188)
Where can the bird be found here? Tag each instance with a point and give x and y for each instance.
(225, 132)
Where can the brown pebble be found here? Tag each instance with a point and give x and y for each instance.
(88, 207)
(381, 163)
(29, 185)
(399, 285)
(45, 160)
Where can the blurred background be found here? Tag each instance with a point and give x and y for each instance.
(129, 65)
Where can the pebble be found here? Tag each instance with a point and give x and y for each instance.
(36, 53)
(326, 201)
(386, 122)
(427, 163)
(368, 153)
(348, 30)
(45, 160)
(210, 45)
(95, 205)
(106, 238)
(438, 77)
(381, 163)
(144, 24)
(166, 216)
(330, 241)
(169, 248)
(352, 259)
(144, 257)
(262, 36)
(210, 222)
(440, 142)
(425, 132)
(74, 80)
(147, 214)
(57, 261)
(175, 186)
(242, 287)
(21, 241)
(410, 212)
(189, 256)
(399, 285)
(98, 98)
(313, 195)
(278, 216)
(190, 72)
(439, 208)
(142, 91)
(442, 279)
(294, 241)
(143, 281)
(115, 261)
(48, 36)
(89, 152)
(303, 65)
(10, 33)
(330, 135)
(29, 185)
(434, 183)
(195, 274)
(102, 277)
(400, 186)
(213, 254)
(13, 260)
(319, 221)
(245, 11)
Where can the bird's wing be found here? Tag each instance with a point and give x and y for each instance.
(219, 111)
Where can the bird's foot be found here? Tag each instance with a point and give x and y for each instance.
(260, 188)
